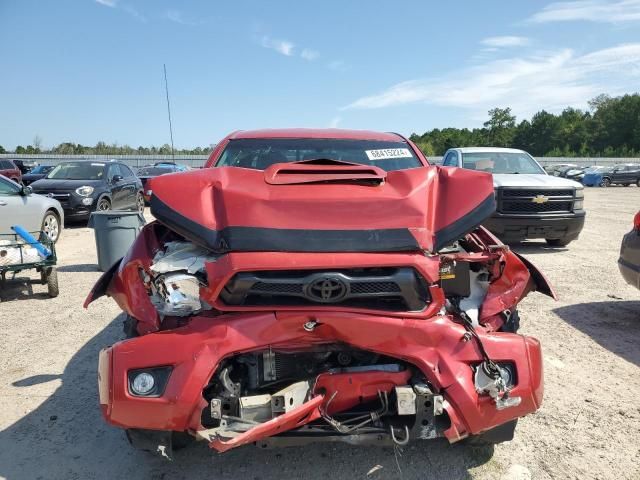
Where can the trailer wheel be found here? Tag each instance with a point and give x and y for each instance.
(50, 274)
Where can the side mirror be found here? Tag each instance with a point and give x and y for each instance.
(116, 178)
(26, 191)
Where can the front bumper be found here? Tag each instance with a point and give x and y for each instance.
(435, 346)
(629, 261)
(513, 228)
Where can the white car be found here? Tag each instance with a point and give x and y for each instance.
(19, 206)
(529, 202)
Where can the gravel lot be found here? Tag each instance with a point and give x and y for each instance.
(589, 426)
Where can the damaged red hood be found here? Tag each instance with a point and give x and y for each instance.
(304, 207)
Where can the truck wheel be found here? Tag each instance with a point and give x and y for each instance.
(51, 274)
(605, 182)
(513, 324)
(558, 242)
(130, 327)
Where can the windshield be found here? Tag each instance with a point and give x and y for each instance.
(78, 171)
(501, 162)
(154, 171)
(260, 153)
(41, 169)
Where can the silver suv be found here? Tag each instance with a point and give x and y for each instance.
(530, 203)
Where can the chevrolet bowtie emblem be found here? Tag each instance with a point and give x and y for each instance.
(540, 199)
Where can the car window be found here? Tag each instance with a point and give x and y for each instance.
(501, 162)
(154, 171)
(7, 187)
(41, 170)
(114, 170)
(126, 171)
(78, 171)
(4, 165)
(261, 153)
(447, 160)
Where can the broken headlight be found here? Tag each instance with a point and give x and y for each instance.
(180, 294)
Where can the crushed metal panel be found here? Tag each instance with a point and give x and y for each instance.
(256, 408)
(179, 256)
(290, 397)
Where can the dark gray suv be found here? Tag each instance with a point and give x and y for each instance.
(83, 187)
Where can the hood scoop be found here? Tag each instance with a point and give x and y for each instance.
(323, 171)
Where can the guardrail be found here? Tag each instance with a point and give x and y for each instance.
(198, 161)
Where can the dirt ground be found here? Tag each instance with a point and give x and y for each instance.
(588, 427)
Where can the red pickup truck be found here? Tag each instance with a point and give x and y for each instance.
(319, 285)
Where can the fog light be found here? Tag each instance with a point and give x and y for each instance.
(148, 382)
(143, 383)
(87, 201)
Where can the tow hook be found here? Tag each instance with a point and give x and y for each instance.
(311, 325)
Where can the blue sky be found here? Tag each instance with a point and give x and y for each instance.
(91, 70)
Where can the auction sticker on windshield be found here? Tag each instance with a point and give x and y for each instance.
(385, 153)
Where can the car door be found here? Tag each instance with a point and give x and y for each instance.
(117, 184)
(632, 173)
(619, 174)
(130, 186)
(18, 209)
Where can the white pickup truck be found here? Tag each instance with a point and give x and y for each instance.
(530, 203)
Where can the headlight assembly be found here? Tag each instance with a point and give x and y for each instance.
(84, 191)
(179, 294)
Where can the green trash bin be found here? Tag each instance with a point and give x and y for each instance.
(115, 232)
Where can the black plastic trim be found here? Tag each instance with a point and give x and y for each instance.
(262, 239)
(449, 234)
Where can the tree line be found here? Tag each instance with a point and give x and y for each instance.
(610, 128)
(102, 148)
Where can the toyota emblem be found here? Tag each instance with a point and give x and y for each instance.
(327, 289)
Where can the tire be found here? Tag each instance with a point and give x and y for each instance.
(130, 328)
(559, 242)
(513, 324)
(605, 182)
(638, 182)
(140, 203)
(51, 226)
(103, 205)
(51, 275)
(626, 184)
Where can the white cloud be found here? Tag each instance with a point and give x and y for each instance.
(176, 16)
(335, 121)
(309, 54)
(125, 8)
(621, 11)
(506, 41)
(548, 80)
(281, 46)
